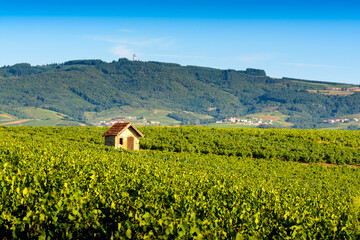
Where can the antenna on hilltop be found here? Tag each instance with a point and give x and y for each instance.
(134, 57)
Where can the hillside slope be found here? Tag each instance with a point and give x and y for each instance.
(80, 86)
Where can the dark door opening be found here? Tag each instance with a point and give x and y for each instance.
(130, 143)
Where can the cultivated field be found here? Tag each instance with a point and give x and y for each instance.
(186, 183)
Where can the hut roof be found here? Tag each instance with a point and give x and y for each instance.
(118, 128)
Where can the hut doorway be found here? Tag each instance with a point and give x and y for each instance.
(130, 143)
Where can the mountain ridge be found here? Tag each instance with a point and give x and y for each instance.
(80, 86)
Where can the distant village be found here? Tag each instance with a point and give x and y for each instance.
(340, 120)
(231, 120)
(114, 120)
(144, 121)
(253, 121)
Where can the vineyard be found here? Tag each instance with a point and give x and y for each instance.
(309, 146)
(186, 183)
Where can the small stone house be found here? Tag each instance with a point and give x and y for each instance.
(123, 135)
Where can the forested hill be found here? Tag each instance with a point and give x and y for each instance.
(79, 86)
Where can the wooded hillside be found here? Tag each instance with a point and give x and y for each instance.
(79, 86)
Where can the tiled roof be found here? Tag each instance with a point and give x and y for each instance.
(118, 128)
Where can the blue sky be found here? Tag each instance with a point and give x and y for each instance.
(317, 40)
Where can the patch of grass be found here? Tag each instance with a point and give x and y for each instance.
(128, 111)
(42, 114)
(39, 117)
(6, 117)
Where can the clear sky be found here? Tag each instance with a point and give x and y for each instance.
(315, 40)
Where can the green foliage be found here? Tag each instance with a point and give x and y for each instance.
(80, 86)
(84, 62)
(64, 183)
(299, 145)
(257, 72)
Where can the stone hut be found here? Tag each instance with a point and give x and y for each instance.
(123, 135)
